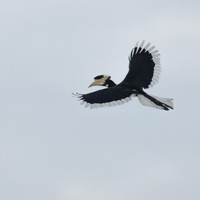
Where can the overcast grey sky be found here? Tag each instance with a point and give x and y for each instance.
(52, 148)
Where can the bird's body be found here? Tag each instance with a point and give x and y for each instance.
(144, 71)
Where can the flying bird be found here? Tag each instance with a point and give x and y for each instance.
(144, 71)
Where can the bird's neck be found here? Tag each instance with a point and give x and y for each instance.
(110, 83)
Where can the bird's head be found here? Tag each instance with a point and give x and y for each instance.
(103, 80)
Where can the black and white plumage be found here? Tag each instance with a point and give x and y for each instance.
(144, 71)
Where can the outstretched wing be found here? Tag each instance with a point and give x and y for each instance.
(106, 97)
(144, 66)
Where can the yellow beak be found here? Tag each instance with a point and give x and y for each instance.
(97, 82)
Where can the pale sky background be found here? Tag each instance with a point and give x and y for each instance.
(52, 148)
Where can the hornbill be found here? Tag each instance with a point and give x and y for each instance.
(144, 71)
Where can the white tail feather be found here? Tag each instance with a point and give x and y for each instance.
(167, 101)
(147, 102)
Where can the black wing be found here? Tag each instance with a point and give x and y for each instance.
(144, 66)
(106, 97)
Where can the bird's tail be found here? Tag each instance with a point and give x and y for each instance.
(155, 102)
